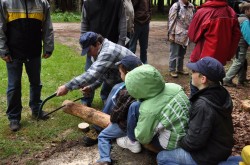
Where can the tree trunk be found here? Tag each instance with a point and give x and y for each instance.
(52, 5)
(161, 6)
(92, 116)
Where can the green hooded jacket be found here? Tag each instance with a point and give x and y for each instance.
(164, 107)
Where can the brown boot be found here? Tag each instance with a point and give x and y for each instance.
(173, 74)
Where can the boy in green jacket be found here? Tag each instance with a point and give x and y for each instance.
(161, 116)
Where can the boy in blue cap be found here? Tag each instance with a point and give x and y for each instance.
(209, 139)
(117, 105)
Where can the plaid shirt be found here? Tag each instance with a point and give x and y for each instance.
(120, 111)
(103, 69)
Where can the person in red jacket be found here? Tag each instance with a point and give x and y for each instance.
(215, 31)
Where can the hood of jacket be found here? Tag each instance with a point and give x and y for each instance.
(214, 3)
(144, 82)
(218, 97)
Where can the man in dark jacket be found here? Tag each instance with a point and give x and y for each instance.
(25, 29)
(142, 9)
(209, 138)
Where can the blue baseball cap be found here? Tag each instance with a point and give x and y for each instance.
(130, 62)
(86, 40)
(209, 67)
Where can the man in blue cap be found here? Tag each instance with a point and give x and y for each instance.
(104, 54)
(209, 138)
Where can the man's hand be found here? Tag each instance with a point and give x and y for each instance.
(86, 90)
(46, 55)
(62, 90)
(7, 58)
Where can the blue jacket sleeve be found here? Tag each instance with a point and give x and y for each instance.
(245, 31)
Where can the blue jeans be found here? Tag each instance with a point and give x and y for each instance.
(14, 103)
(106, 88)
(232, 160)
(113, 131)
(176, 57)
(141, 33)
(175, 157)
(87, 100)
(133, 115)
(109, 105)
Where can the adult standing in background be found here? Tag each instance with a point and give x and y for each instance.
(215, 31)
(25, 24)
(129, 10)
(179, 18)
(105, 17)
(142, 9)
(239, 66)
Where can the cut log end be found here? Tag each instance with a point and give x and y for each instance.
(83, 127)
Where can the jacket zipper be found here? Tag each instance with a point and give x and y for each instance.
(26, 8)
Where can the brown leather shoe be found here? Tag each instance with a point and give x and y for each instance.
(173, 74)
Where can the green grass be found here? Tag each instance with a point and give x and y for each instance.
(62, 66)
(159, 17)
(66, 16)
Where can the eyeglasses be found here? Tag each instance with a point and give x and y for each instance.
(193, 71)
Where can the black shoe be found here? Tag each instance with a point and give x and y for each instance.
(87, 141)
(15, 125)
(40, 116)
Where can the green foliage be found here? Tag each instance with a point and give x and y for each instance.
(59, 16)
(159, 17)
(62, 66)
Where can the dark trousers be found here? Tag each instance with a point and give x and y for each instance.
(15, 69)
(106, 88)
(141, 33)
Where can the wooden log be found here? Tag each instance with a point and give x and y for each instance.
(93, 116)
(245, 105)
(88, 114)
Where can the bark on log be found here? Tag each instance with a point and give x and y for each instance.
(89, 115)
(93, 116)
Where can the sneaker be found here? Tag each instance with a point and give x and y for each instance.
(173, 74)
(15, 125)
(229, 84)
(125, 142)
(41, 115)
(100, 163)
(183, 72)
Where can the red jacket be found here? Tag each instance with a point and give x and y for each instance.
(215, 30)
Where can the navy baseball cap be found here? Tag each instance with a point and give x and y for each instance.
(209, 67)
(130, 62)
(86, 40)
